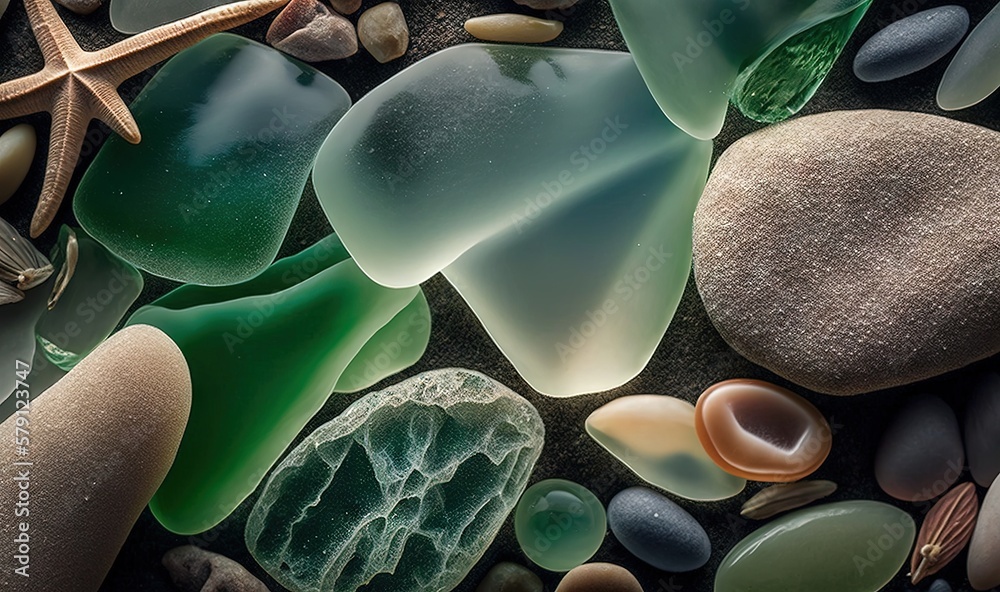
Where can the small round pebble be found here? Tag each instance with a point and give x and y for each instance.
(559, 524)
(939, 586)
(658, 531)
(547, 4)
(382, 30)
(193, 569)
(17, 150)
(346, 6)
(510, 577)
(513, 28)
(911, 44)
(599, 577)
(308, 30)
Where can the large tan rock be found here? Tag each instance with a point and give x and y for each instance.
(99, 442)
(855, 251)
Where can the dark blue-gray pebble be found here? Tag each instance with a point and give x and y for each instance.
(658, 531)
(940, 586)
(911, 44)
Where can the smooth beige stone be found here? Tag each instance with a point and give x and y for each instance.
(17, 150)
(513, 28)
(101, 441)
(654, 435)
(383, 31)
(760, 431)
(984, 549)
(599, 577)
(81, 6)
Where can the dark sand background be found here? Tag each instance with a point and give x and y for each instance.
(691, 356)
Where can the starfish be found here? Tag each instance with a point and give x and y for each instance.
(76, 86)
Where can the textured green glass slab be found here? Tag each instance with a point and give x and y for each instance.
(264, 357)
(230, 129)
(767, 57)
(102, 289)
(544, 183)
(559, 524)
(135, 16)
(403, 492)
(855, 545)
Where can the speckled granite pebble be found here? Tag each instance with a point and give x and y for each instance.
(911, 44)
(308, 30)
(855, 251)
(193, 569)
(658, 531)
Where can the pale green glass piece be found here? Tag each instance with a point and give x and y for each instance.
(559, 524)
(654, 435)
(136, 16)
(974, 72)
(767, 57)
(230, 129)
(403, 492)
(17, 332)
(547, 187)
(102, 289)
(264, 357)
(855, 545)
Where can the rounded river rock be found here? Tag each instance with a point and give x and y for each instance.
(658, 531)
(855, 251)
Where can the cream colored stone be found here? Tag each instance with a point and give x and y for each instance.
(17, 150)
(513, 28)
(383, 31)
(100, 442)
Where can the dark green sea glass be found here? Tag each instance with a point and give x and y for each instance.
(264, 356)
(230, 129)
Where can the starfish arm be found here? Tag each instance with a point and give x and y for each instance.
(109, 107)
(135, 54)
(24, 96)
(69, 126)
(54, 39)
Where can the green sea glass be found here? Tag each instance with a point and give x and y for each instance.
(855, 545)
(230, 129)
(264, 357)
(547, 187)
(559, 524)
(136, 16)
(403, 492)
(768, 58)
(17, 333)
(100, 292)
(654, 435)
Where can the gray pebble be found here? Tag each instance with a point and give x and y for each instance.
(911, 44)
(547, 4)
(81, 6)
(982, 439)
(658, 531)
(193, 569)
(940, 586)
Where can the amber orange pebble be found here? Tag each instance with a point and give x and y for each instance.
(760, 431)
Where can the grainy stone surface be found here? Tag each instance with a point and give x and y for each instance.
(81, 6)
(599, 577)
(383, 31)
(308, 30)
(193, 569)
(911, 44)
(855, 251)
(657, 530)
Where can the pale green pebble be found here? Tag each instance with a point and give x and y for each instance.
(559, 524)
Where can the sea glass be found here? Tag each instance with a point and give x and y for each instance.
(559, 524)
(547, 187)
(760, 431)
(17, 333)
(264, 357)
(136, 16)
(100, 292)
(974, 72)
(230, 129)
(403, 492)
(768, 58)
(654, 436)
(854, 545)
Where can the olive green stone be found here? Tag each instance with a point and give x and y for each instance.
(264, 357)
(854, 545)
(559, 524)
(230, 129)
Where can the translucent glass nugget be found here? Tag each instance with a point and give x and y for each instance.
(559, 524)
(264, 357)
(401, 493)
(974, 72)
(856, 545)
(767, 57)
(654, 435)
(230, 129)
(99, 293)
(545, 184)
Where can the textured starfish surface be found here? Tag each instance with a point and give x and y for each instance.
(76, 86)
